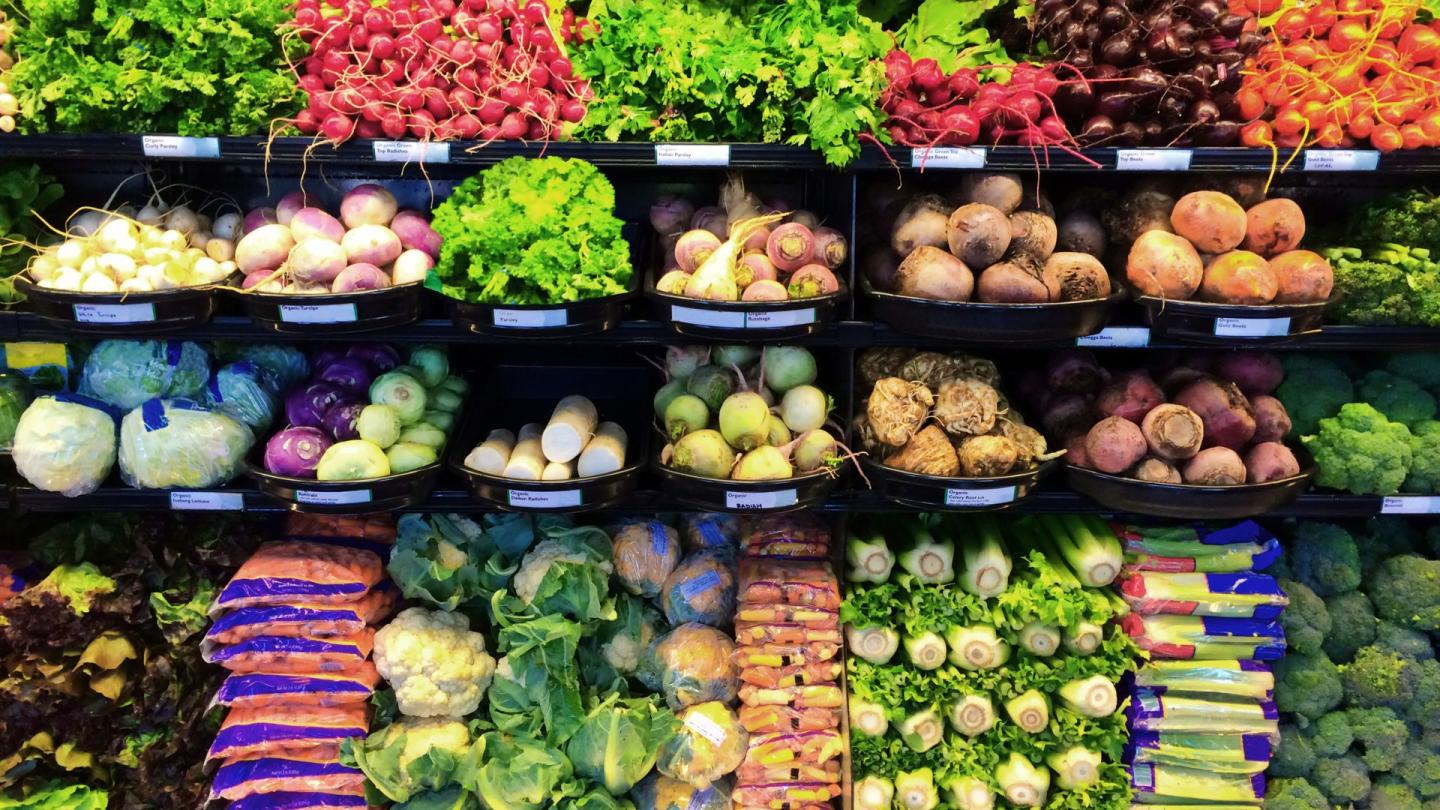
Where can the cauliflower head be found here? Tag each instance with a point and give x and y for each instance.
(1360, 451)
(536, 564)
(436, 664)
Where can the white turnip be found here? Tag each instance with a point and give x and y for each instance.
(359, 277)
(367, 204)
(411, 267)
(803, 408)
(226, 226)
(314, 223)
(291, 203)
(371, 244)
(264, 248)
(316, 261)
(415, 233)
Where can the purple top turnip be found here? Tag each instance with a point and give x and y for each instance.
(670, 214)
(350, 374)
(790, 247)
(711, 218)
(313, 223)
(359, 277)
(830, 247)
(296, 451)
(367, 204)
(415, 233)
(694, 247)
(291, 203)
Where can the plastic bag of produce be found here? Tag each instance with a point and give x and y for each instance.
(782, 633)
(1153, 783)
(284, 728)
(1191, 540)
(802, 536)
(65, 443)
(1244, 596)
(1206, 637)
(15, 396)
(245, 392)
(1151, 712)
(775, 719)
(775, 582)
(645, 554)
(252, 690)
(715, 531)
(304, 800)
(701, 589)
(659, 792)
(300, 620)
(315, 769)
(126, 373)
(1232, 558)
(293, 656)
(710, 743)
(180, 443)
(285, 362)
(1250, 679)
(1223, 753)
(692, 665)
(279, 573)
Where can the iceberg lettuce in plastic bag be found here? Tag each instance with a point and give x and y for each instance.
(126, 373)
(286, 363)
(65, 443)
(244, 392)
(169, 443)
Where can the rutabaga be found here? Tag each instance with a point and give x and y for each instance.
(987, 566)
(785, 367)
(868, 718)
(489, 456)
(686, 413)
(1023, 784)
(745, 420)
(870, 560)
(1029, 710)
(1040, 639)
(571, 427)
(1083, 638)
(971, 793)
(1092, 697)
(915, 790)
(874, 644)
(714, 279)
(605, 453)
(764, 463)
(922, 730)
(527, 462)
(804, 408)
(972, 715)
(977, 647)
(925, 650)
(930, 561)
(1075, 767)
(874, 793)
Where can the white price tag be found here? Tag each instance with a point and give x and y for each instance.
(177, 146)
(337, 498)
(557, 499)
(692, 154)
(1153, 160)
(760, 500)
(992, 496)
(1341, 160)
(1251, 327)
(531, 318)
(705, 727)
(207, 501)
(726, 319)
(1117, 337)
(411, 152)
(114, 313)
(948, 157)
(1410, 505)
(318, 313)
(779, 319)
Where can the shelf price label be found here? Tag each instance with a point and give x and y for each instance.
(779, 319)
(948, 157)
(720, 318)
(207, 501)
(1153, 160)
(1251, 327)
(692, 154)
(530, 318)
(972, 498)
(177, 146)
(1341, 160)
(534, 499)
(318, 313)
(114, 313)
(348, 497)
(1410, 505)
(1117, 337)
(411, 152)
(778, 499)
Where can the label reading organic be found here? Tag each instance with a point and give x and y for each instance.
(176, 146)
(411, 152)
(779, 319)
(1410, 505)
(530, 318)
(692, 154)
(114, 313)
(338, 498)
(557, 499)
(948, 157)
(1117, 337)
(1341, 160)
(760, 500)
(992, 496)
(724, 319)
(207, 501)
(1251, 327)
(318, 313)
(1152, 160)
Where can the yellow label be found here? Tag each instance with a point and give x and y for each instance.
(31, 355)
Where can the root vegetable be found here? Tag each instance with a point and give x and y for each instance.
(292, 202)
(1003, 191)
(927, 452)
(367, 204)
(526, 462)
(764, 463)
(756, 241)
(930, 272)
(1131, 395)
(1012, 282)
(745, 420)
(1074, 371)
(815, 450)
(1079, 231)
(1156, 471)
(1164, 265)
(765, 290)
(1075, 451)
(371, 244)
(759, 267)
(605, 453)
(987, 456)
(785, 367)
(1270, 461)
(411, 267)
(1213, 222)
(1303, 276)
(1032, 234)
(1067, 416)
(802, 217)
(921, 223)
(316, 261)
(812, 280)
(673, 282)
(896, 409)
(414, 232)
(670, 214)
(361, 276)
(1215, 467)
(1273, 227)
(256, 219)
(1173, 432)
(711, 384)
(1075, 277)
(966, 407)
(830, 248)
(1252, 372)
(804, 408)
(315, 223)
(491, 455)
(790, 247)
(978, 234)
(1114, 444)
(1229, 420)
(571, 427)
(1239, 277)
(711, 218)
(1272, 421)
(693, 248)
(1138, 214)
(777, 434)
(684, 414)
(703, 453)
(881, 268)
(558, 471)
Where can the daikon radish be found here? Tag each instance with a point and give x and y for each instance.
(526, 461)
(558, 471)
(571, 426)
(605, 453)
(491, 455)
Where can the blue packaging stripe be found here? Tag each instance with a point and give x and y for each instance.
(1257, 747)
(1243, 584)
(379, 549)
(281, 644)
(296, 800)
(1269, 553)
(1253, 666)
(270, 587)
(174, 350)
(152, 413)
(246, 685)
(1267, 612)
(272, 614)
(710, 534)
(213, 386)
(1247, 628)
(1246, 531)
(703, 797)
(1144, 739)
(1257, 785)
(659, 540)
(1269, 652)
(89, 402)
(235, 774)
(700, 584)
(235, 738)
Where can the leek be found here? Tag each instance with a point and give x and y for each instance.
(868, 718)
(915, 790)
(1075, 767)
(1030, 711)
(1023, 784)
(971, 793)
(931, 561)
(874, 793)
(869, 558)
(1040, 638)
(926, 650)
(922, 730)
(1083, 638)
(987, 566)
(972, 715)
(874, 644)
(1092, 697)
(977, 647)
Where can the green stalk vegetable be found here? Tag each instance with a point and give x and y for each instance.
(1023, 784)
(930, 561)
(1092, 697)
(869, 558)
(926, 650)
(972, 715)
(971, 793)
(1076, 767)
(868, 718)
(1040, 638)
(977, 647)
(915, 790)
(874, 644)
(1029, 710)
(874, 793)
(1083, 638)
(922, 730)
(987, 566)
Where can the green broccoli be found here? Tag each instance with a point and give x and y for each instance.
(1384, 537)
(1294, 794)
(1324, 557)
(1422, 367)
(1406, 590)
(1294, 756)
(1379, 678)
(1382, 736)
(1360, 451)
(1352, 624)
(1308, 685)
(1330, 736)
(1314, 388)
(1403, 641)
(1344, 779)
(1407, 217)
(1305, 619)
(1424, 708)
(1401, 399)
(1371, 292)
(1391, 793)
(1420, 768)
(1424, 475)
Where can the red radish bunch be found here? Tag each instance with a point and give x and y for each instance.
(928, 108)
(438, 69)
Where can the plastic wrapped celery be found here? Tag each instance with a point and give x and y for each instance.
(1242, 596)
(1206, 637)
(1250, 679)
(1151, 712)
(1209, 559)
(1173, 783)
(1222, 753)
(1202, 542)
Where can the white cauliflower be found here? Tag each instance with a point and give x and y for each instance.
(436, 664)
(538, 560)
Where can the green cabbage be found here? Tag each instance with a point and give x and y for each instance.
(65, 444)
(449, 561)
(517, 774)
(168, 443)
(126, 373)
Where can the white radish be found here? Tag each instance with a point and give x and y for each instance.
(558, 471)
(526, 461)
(570, 428)
(198, 238)
(605, 453)
(220, 249)
(491, 455)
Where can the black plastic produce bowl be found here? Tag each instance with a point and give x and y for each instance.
(981, 323)
(332, 313)
(1204, 322)
(1189, 501)
(574, 495)
(953, 494)
(541, 320)
(744, 321)
(118, 313)
(358, 497)
(720, 495)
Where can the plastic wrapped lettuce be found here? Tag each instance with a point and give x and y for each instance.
(126, 373)
(285, 362)
(168, 443)
(65, 443)
(15, 396)
(244, 392)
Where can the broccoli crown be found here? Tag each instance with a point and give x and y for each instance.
(1406, 590)
(1343, 779)
(1424, 474)
(1378, 677)
(1420, 768)
(1391, 793)
(1324, 557)
(1382, 736)
(1384, 537)
(1401, 399)
(1422, 367)
(1308, 685)
(1314, 388)
(1294, 756)
(1294, 794)
(1360, 451)
(1306, 619)
(1330, 736)
(1352, 625)
(1403, 641)
(1406, 217)
(1424, 708)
